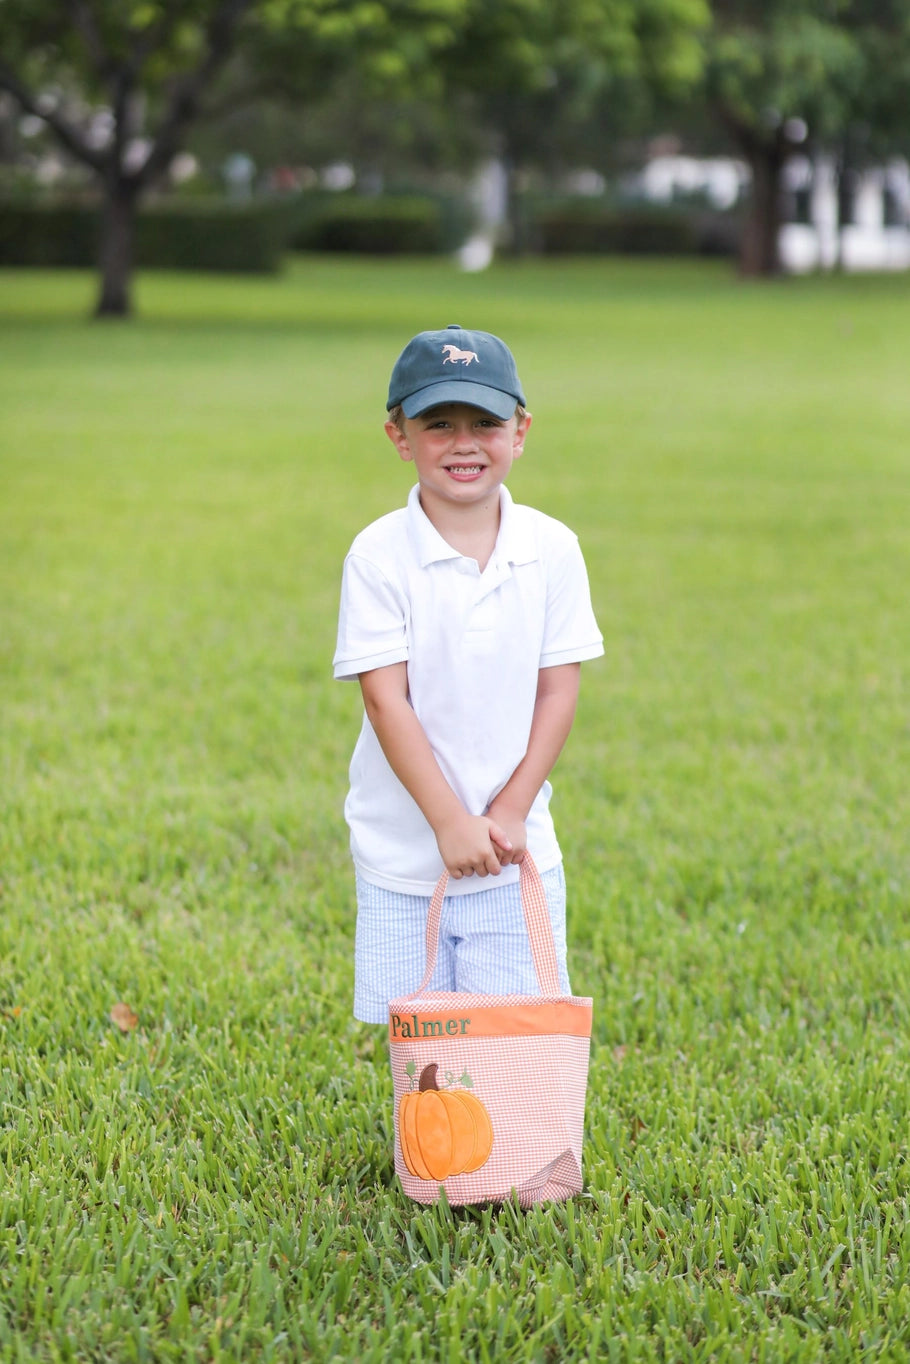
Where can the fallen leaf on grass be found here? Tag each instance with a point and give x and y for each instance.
(124, 1018)
(13, 1012)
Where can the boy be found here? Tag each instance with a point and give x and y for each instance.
(465, 619)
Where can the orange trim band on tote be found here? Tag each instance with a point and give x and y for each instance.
(532, 1020)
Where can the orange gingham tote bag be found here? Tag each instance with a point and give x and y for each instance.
(490, 1089)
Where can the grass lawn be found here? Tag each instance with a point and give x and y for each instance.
(176, 498)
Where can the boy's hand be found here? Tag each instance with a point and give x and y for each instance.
(473, 845)
(515, 830)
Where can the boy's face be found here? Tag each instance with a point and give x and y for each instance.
(462, 454)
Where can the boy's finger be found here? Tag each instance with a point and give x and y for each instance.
(500, 837)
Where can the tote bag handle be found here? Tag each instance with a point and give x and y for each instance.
(537, 922)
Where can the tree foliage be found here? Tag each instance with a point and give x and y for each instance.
(153, 64)
(539, 74)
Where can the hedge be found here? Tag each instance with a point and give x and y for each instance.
(590, 228)
(245, 238)
(380, 225)
(48, 235)
(191, 235)
(212, 235)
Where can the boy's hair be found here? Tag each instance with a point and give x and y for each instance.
(396, 415)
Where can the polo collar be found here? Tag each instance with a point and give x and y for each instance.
(515, 544)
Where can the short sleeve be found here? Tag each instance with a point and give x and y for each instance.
(372, 621)
(571, 633)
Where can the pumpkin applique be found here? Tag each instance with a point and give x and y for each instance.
(443, 1131)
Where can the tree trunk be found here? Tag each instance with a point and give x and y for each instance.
(759, 254)
(115, 261)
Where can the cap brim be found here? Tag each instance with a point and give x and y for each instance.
(491, 400)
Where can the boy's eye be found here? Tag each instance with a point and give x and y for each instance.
(446, 424)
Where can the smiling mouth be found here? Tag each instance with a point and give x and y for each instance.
(457, 469)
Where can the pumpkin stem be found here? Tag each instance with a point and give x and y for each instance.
(428, 1078)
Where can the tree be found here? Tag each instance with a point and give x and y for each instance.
(777, 72)
(877, 126)
(537, 70)
(152, 64)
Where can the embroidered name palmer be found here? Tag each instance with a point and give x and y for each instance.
(412, 1026)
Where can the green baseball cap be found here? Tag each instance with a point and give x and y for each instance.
(455, 366)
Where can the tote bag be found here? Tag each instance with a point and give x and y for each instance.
(490, 1089)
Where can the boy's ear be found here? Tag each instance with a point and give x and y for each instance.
(399, 440)
(522, 426)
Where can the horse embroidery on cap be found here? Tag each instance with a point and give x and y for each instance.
(455, 355)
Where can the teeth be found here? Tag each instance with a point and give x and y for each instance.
(465, 468)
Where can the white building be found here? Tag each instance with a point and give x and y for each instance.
(872, 207)
(721, 179)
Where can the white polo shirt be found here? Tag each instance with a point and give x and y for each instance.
(474, 643)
